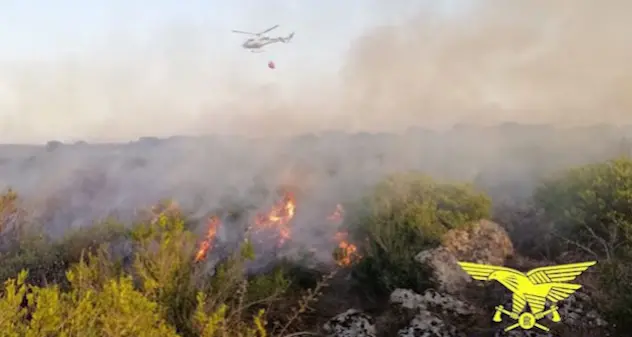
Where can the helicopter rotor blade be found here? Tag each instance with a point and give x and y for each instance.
(242, 32)
(269, 29)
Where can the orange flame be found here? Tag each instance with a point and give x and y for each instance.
(278, 218)
(338, 215)
(348, 252)
(207, 243)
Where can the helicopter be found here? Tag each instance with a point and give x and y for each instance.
(254, 44)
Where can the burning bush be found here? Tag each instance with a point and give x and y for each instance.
(402, 216)
(161, 284)
(168, 265)
(270, 231)
(162, 291)
(11, 214)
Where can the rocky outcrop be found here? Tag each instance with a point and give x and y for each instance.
(434, 311)
(425, 324)
(431, 301)
(523, 333)
(576, 314)
(481, 242)
(447, 274)
(450, 312)
(442, 315)
(351, 323)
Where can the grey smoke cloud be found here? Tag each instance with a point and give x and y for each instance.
(561, 62)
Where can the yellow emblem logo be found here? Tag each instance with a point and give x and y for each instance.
(533, 288)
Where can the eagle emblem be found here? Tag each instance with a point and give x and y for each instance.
(534, 289)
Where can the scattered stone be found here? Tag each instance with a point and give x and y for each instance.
(434, 310)
(407, 298)
(351, 323)
(574, 312)
(431, 301)
(522, 333)
(459, 307)
(575, 317)
(425, 324)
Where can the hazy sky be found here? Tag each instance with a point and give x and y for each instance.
(46, 45)
(115, 70)
(38, 29)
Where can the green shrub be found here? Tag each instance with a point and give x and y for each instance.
(615, 291)
(403, 215)
(590, 208)
(165, 293)
(267, 286)
(81, 289)
(111, 307)
(164, 269)
(219, 324)
(228, 303)
(114, 310)
(25, 246)
(47, 259)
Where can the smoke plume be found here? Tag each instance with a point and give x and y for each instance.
(559, 62)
